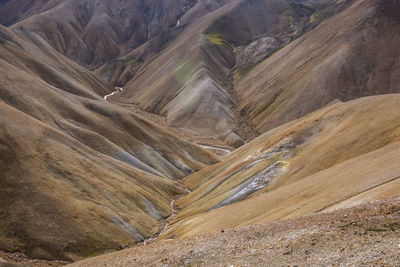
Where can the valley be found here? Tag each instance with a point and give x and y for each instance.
(199, 132)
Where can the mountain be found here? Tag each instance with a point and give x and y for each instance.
(93, 32)
(127, 122)
(344, 152)
(192, 80)
(96, 175)
(348, 56)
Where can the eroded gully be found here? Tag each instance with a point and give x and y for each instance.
(166, 222)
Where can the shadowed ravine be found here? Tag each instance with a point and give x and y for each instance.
(166, 222)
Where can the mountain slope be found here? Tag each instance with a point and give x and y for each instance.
(17, 10)
(364, 235)
(93, 32)
(305, 166)
(351, 55)
(96, 175)
(191, 81)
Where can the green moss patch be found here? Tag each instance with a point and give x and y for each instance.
(323, 13)
(129, 61)
(184, 72)
(216, 38)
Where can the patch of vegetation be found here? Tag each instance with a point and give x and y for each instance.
(236, 77)
(323, 13)
(129, 61)
(216, 38)
(291, 19)
(393, 226)
(184, 72)
(239, 74)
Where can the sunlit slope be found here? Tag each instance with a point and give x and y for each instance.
(327, 157)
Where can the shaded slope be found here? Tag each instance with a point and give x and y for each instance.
(190, 82)
(97, 175)
(88, 202)
(31, 54)
(121, 70)
(17, 10)
(93, 32)
(305, 166)
(350, 55)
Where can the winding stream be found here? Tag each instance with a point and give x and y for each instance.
(216, 149)
(118, 90)
(165, 223)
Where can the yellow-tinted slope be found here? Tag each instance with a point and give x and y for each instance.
(78, 175)
(308, 165)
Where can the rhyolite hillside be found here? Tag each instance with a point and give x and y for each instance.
(139, 121)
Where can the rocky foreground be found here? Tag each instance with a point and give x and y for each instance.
(367, 234)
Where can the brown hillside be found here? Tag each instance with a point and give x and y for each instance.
(78, 175)
(131, 122)
(350, 55)
(365, 235)
(191, 81)
(308, 165)
(94, 32)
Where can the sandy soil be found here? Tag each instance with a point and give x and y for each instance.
(18, 259)
(364, 235)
